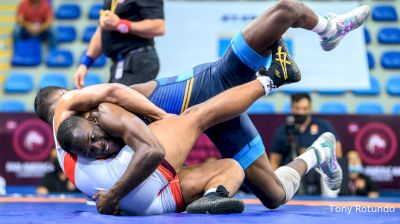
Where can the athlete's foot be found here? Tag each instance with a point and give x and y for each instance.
(283, 69)
(325, 150)
(344, 24)
(216, 203)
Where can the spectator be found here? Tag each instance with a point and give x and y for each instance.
(125, 35)
(2, 186)
(34, 19)
(293, 138)
(55, 181)
(359, 183)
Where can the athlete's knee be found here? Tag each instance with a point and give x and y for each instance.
(273, 201)
(233, 166)
(290, 8)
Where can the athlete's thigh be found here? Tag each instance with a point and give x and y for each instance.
(177, 135)
(231, 68)
(194, 179)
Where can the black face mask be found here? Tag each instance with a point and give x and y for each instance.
(300, 119)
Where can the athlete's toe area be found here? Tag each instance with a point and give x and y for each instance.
(220, 205)
(328, 137)
(216, 203)
(283, 69)
(344, 24)
(329, 168)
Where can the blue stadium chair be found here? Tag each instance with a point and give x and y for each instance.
(391, 60)
(371, 60)
(53, 79)
(94, 11)
(100, 62)
(88, 33)
(393, 86)
(295, 91)
(287, 108)
(367, 36)
(261, 107)
(92, 79)
(384, 13)
(331, 92)
(65, 34)
(59, 58)
(373, 91)
(68, 11)
(396, 109)
(333, 108)
(369, 108)
(22, 57)
(389, 36)
(18, 83)
(12, 106)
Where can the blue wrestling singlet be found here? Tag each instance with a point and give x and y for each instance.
(237, 138)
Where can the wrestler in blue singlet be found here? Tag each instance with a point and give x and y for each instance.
(237, 138)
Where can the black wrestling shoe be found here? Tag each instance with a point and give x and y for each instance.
(216, 203)
(283, 69)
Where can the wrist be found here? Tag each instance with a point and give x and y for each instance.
(113, 193)
(124, 26)
(87, 61)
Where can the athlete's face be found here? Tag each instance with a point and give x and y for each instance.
(93, 142)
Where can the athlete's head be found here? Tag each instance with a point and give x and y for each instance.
(45, 102)
(301, 107)
(81, 137)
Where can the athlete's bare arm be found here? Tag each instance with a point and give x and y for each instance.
(148, 155)
(88, 98)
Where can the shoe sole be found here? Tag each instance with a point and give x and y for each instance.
(221, 206)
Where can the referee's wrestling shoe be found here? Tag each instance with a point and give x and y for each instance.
(216, 203)
(283, 69)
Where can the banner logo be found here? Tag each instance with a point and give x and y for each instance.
(33, 140)
(376, 142)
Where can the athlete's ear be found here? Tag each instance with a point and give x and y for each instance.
(93, 120)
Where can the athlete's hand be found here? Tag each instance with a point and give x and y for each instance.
(106, 203)
(160, 116)
(109, 20)
(79, 76)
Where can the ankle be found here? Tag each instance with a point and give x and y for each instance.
(267, 83)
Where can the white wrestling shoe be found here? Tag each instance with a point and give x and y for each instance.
(325, 150)
(344, 24)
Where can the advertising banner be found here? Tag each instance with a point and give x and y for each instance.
(26, 143)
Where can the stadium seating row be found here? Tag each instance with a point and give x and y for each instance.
(60, 58)
(23, 83)
(20, 83)
(364, 108)
(70, 11)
